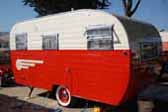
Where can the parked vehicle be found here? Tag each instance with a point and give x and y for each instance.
(88, 54)
(6, 76)
(164, 54)
(164, 69)
(164, 38)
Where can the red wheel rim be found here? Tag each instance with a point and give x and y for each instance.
(63, 95)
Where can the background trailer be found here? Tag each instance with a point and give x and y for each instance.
(164, 38)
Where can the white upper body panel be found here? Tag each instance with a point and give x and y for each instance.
(71, 28)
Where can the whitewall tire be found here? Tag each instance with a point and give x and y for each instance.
(63, 96)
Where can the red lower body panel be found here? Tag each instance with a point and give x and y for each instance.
(102, 76)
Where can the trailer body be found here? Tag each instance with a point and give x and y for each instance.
(96, 55)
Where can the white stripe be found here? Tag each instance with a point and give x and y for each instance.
(26, 63)
(31, 61)
(24, 67)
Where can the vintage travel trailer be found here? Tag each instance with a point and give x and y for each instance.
(87, 54)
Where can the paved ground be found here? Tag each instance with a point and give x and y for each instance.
(13, 99)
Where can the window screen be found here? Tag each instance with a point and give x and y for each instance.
(50, 42)
(21, 41)
(100, 39)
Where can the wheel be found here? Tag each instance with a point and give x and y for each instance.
(64, 97)
(3, 80)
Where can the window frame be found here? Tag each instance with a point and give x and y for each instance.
(48, 38)
(21, 39)
(100, 38)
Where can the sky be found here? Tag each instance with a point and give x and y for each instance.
(152, 11)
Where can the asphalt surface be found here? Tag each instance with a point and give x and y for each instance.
(14, 99)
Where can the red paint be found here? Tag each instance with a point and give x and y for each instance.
(103, 76)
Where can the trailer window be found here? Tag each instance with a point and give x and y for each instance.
(100, 39)
(21, 41)
(50, 42)
(149, 50)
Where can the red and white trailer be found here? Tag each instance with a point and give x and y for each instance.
(164, 38)
(89, 54)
